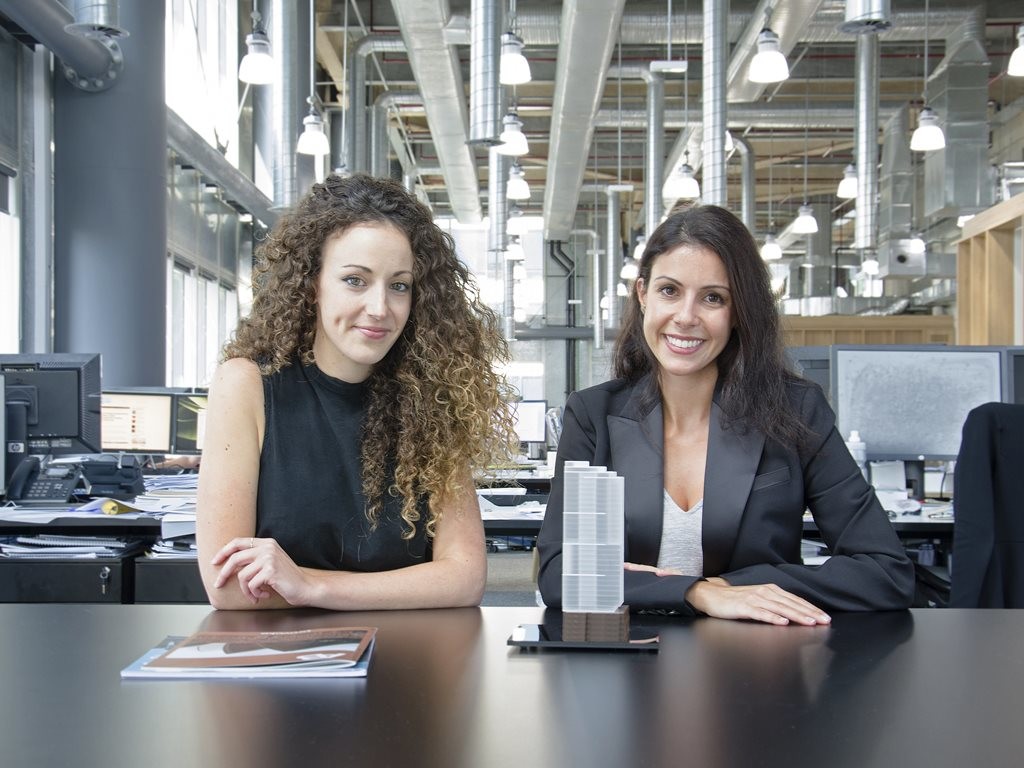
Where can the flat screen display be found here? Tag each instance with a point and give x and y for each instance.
(910, 402)
(137, 421)
(530, 420)
(189, 422)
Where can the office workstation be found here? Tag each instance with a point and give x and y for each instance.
(144, 173)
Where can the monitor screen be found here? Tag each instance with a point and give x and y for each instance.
(812, 363)
(53, 404)
(3, 440)
(530, 420)
(137, 422)
(910, 402)
(1015, 375)
(189, 422)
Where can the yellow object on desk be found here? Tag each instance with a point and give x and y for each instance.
(114, 507)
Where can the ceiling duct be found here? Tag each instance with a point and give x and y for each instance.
(355, 155)
(484, 99)
(714, 57)
(436, 68)
(588, 33)
(866, 16)
(90, 63)
(95, 18)
(957, 177)
(380, 138)
(866, 141)
(747, 160)
(896, 202)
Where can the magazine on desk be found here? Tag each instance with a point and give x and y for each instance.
(321, 652)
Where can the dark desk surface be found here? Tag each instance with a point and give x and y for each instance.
(921, 688)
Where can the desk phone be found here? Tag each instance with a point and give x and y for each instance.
(31, 482)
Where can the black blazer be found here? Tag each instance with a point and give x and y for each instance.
(755, 494)
(988, 498)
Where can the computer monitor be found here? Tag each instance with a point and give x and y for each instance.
(530, 420)
(1014, 365)
(3, 438)
(52, 404)
(138, 421)
(812, 363)
(910, 402)
(189, 422)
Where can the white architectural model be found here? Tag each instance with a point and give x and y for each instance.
(592, 539)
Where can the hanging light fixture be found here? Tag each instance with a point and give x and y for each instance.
(621, 290)
(514, 251)
(630, 270)
(681, 184)
(848, 186)
(769, 63)
(1016, 66)
(513, 140)
(641, 246)
(771, 250)
(517, 188)
(514, 68)
(928, 136)
(916, 245)
(257, 66)
(313, 140)
(805, 223)
(869, 266)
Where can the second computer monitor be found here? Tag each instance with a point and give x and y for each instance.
(137, 421)
(531, 420)
(910, 402)
(189, 422)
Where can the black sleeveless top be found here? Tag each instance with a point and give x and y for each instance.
(310, 488)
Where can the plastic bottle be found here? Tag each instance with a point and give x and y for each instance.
(859, 450)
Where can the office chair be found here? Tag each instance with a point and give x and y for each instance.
(988, 499)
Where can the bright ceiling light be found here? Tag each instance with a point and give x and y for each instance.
(630, 269)
(771, 250)
(805, 223)
(621, 290)
(681, 185)
(848, 186)
(514, 251)
(769, 64)
(514, 68)
(517, 188)
(916, 245)
(513, 140)
(928, 136)
(641, 246)
(1016, 66)
(313, 140)
(257, 66)
(869, 266)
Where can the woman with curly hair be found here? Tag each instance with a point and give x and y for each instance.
(349, 414)
(722, 449)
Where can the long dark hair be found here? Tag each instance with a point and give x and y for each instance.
(752, 369)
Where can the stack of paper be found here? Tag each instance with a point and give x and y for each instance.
(75, 547)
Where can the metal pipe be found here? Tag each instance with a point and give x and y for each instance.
(484, 98)
(715, 58)
(747, 162)
(866, 142)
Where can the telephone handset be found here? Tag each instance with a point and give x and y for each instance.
(31, 482)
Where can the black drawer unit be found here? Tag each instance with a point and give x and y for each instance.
(103, 580)
(168, 580)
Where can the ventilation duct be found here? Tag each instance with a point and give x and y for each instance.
(866, 141)
(715, 55)
(436, 68)
(380, 137)
(355, 154)
(588, 32)
(957, 177)
(896, 202)
(484, 98)
(747, 160)
(866, 16)
(90, 63)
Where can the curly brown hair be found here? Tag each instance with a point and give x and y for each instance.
(436, 405)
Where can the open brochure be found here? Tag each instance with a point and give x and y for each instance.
(322, 652)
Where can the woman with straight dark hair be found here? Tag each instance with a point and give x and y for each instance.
(723, 448)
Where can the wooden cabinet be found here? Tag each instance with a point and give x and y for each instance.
(827, 330)
(989, 301)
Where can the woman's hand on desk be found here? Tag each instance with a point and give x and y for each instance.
(262, 569)
(759, 602)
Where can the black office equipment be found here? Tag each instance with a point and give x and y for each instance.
(1014, 376)
(988, 532)
(52, 405)
(812, 363)
(32, 481)
(115, 477)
